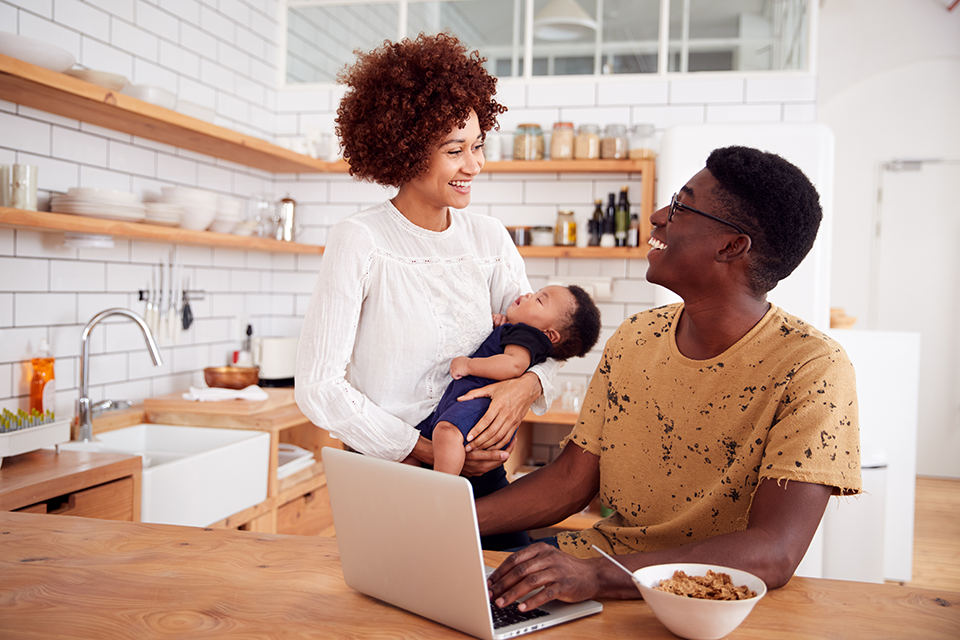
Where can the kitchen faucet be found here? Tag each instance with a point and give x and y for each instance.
(85, 410)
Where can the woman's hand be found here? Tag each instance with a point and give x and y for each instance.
(509, 402)
(562, 576)
(479, 462)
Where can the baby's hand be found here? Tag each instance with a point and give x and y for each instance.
(458, 367)
(499, 320)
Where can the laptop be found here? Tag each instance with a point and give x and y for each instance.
(409, 536)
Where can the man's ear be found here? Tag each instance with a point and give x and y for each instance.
(735, 249)
(553, 335)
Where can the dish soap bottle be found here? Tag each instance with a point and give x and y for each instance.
(43, 388)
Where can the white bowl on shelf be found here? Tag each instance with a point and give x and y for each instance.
(111, 81)
(197, 218)
(154, 95)
(38, 52)
(221, 225)
(105, 195)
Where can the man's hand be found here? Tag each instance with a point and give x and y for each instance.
(459, 367)
(509, 402)
(562, 576)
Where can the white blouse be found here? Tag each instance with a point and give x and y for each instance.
(393, 305)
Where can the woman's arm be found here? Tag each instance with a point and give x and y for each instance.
(326, 346)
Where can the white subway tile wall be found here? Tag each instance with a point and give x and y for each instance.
(225, 56)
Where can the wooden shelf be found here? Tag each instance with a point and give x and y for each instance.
(33, 86)
(584, 252)
(645, 165)
(45, 221)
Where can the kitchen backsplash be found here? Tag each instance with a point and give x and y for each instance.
(223, 54)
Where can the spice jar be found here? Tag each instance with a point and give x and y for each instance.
(528, 142)
(613, 143)
(541, 236)
(565, 233)
(642, 142)
(561, 142)
(586, 146)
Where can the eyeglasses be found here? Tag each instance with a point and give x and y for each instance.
(676, 204)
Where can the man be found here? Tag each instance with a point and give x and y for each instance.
(717, 429)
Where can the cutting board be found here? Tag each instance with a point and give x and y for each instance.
(174, 403)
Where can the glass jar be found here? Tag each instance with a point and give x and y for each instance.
(541, 236)
(561, 142)
(528, 142)
(565, 233)
(586, 146)
(613, 142)
(642, 142)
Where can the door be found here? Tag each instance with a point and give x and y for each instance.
(917, 288)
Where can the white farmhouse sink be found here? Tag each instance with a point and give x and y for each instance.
(192, 476)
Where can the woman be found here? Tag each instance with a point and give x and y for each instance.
(407, 285)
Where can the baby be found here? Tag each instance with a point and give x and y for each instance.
(558, 322)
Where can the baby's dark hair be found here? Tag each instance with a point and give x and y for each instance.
(774, 202)
(582, 329)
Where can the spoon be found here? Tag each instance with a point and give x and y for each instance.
(610, 558)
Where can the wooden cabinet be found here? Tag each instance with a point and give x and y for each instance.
(75, 483)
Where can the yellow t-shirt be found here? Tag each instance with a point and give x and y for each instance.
(684, 443)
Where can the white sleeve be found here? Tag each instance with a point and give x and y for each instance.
(326, 344)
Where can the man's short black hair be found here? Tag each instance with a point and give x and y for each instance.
(582, 328)
(774, 202)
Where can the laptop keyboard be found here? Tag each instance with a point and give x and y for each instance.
(510, 614)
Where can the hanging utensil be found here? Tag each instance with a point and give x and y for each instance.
(187, 313)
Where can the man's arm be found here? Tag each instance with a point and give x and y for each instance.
(544, 497)
(783, 520)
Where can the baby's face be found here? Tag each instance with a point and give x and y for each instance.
(544, 309)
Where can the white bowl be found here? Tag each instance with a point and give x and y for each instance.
(111, 81)
(36, 52)
(197, 218)
(696, 618)
(153, 95)
(220, 225)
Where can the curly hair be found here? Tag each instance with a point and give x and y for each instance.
(582, 328)
(774, 202)
(403, 98)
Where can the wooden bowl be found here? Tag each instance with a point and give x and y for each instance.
(231, 377)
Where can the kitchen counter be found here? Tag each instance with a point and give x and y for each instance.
(81, 578)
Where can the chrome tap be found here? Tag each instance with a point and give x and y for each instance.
(85, 410)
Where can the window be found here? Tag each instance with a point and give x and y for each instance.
(559, 37)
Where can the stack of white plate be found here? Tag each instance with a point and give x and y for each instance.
(167, 214)
(199, 206)
(228, 215)
(99, 203)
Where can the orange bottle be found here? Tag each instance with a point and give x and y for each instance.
(43, 388)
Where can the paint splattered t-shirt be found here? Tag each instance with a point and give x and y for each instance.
(683, 444)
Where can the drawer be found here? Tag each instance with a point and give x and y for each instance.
(308, 515)
(108, 501)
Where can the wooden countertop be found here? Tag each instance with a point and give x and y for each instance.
(42, 474)
(79, 578)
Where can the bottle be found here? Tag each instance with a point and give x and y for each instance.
(596, 224)
(528, 142)
(622, 224)
(43, 388)
(633, 234)
(609, 224)
(565, 232)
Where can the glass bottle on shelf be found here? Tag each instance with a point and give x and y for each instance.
(613, 142)
(586, 146)
(561, 141)
(607, 238)
(622, 220)
(633, 234)
(528, 142)
(596, 224)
